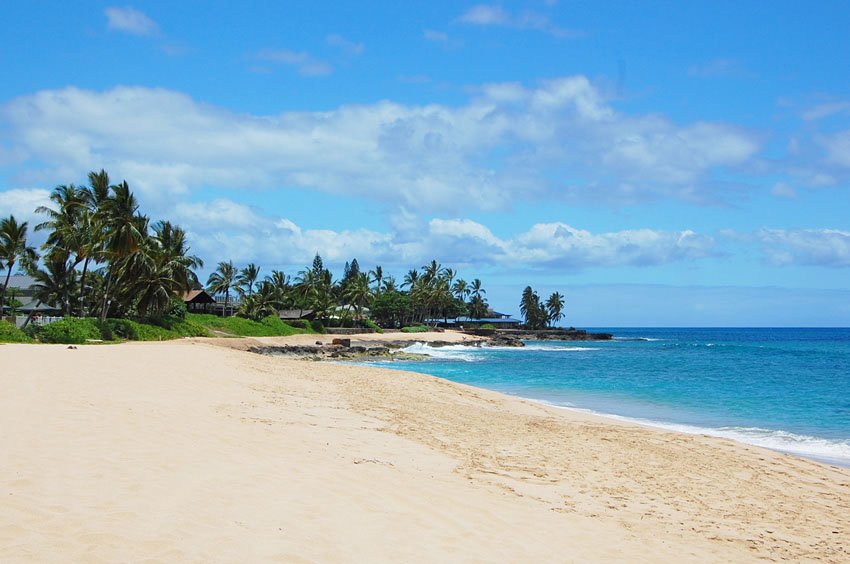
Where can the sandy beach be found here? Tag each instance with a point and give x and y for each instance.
(190, 451)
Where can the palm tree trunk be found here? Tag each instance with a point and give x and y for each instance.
(83, 288)
(105, 307)
(5, 287)
(31, 315)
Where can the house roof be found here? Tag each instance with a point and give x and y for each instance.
(21, 281)
(198, 297)
(294, 313)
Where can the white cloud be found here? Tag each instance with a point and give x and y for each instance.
(494, 15)
(483, 14)
(811, 247)
(223, 230)
(508, 142)
(130, 20)
(305, 63)
(348, 48)
(21, 202)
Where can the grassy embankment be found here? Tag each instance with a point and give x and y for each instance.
(78, 331)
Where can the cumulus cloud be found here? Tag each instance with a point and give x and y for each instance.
(130, 20)
(224, 229)
(494, 15)
(811, 247)
(507, 142)
(21, 202)
(306, 64)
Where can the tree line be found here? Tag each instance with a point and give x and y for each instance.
(428, 294)
(104, 258)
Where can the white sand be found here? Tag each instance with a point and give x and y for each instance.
(186, 451)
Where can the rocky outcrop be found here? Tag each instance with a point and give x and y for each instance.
(570, 334)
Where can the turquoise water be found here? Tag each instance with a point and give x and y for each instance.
(786, 389)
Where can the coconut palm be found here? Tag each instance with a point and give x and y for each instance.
(476, 290)
(51, 283)
(246, 279)
(164, 269)
(125, 233)
(14, 248)
(410, 279)
(390, 284)
(358, 293)
(264, 302)
(555, 306)
(70, 223)
(222, 280)
(461, 289)
(377, 276)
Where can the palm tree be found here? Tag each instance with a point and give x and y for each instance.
(377, 277)
(14, 248)
(247, 278)
(555, 306)
(124, 235)
(432, 271)
(390, 284)
(410, 279)
(51, 283)
(264, 302)
(164, 269)
(70, 226)
(476, 290)
(358, 293)
(222, 280)
(461, 289)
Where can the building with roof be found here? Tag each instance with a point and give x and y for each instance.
(21, 289)
(198, 301)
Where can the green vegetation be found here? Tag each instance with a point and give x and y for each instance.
(241, 327)
(71, 331)
(11, 334)
(539, 314)
(372, 325)
(103, 259)
(415, 329)
(488, 326)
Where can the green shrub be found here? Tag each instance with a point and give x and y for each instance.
(317, 326)
(123, 329)
(488, 326)
(368, 323)
(11, 334)
(70, 330)
(415, 329)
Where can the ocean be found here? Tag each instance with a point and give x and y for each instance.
(784, 389)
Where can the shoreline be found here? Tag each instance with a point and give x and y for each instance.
(186, 450)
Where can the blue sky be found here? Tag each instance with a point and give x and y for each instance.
(658, 163)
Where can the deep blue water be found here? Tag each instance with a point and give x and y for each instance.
(787, 389)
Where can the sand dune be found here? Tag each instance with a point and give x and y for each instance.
(186, 451)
